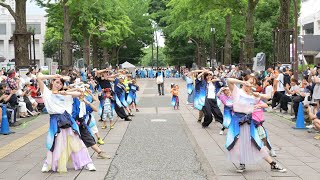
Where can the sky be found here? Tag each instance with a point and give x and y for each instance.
(309, 8)
(34, 9)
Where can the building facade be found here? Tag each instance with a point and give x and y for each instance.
(309, 22)
(35, 23)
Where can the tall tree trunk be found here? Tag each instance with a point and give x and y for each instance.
(227, 44)
(66, 46)
(202, 64)
(95, 48)
(106, 60)
(284, 34)
(21, 37)
(249, 42)
(114, 55)
(86, 47)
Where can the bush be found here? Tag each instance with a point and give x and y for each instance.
(46, 72)
(305, 67)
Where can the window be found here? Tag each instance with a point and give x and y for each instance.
(2, 10)
(309, 28)
(34, 26)
(13, 28)
(3, 29)
(31, 27)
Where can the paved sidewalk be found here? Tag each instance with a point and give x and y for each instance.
(296, 150)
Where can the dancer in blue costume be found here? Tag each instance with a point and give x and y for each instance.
(132, 96)
(142, 73)
(63, 140)
(210, 106)
(80, 110)
(225, 97)
(243, 143)
(190, 87)
(150, 73)
(199, 95)
(120, 93)
(167, 73)
(90, 120)
(200, 92)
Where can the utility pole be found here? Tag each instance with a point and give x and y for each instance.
(213, 48)
(157, 49)
(152, 52)
(295, 36)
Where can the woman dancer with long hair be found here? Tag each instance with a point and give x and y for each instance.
(243, 143)
(210, 106)
(63, 141)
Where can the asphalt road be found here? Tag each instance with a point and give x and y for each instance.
(156, 144)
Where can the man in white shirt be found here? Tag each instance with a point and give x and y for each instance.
(269, 89)
(278, 86)
(290, 91)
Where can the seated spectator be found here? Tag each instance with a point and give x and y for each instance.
(22, 105)
(305, 92)
(5, 98)
(29, 91)
(11, 84)
(291, 90)
(314, 114)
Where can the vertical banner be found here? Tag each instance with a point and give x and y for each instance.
(53, 67)
(259, 63)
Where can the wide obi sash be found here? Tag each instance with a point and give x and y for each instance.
(239, 119)
(57, 122)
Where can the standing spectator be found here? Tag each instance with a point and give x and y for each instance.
(316, 81)
(278, 89)
(160, 81)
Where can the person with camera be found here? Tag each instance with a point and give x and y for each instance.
(300, 96)
(4, 98)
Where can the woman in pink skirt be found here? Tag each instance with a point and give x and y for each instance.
(63, 141)
(243, 143)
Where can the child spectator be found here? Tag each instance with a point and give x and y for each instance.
(107, 110)
(175, 97)
(258, 120)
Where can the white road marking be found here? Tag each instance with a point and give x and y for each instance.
(158, 120)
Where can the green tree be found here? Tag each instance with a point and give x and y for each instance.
(21, 36)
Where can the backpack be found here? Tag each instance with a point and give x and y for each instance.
(286, 79)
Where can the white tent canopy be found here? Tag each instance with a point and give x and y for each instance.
(127, 65)
(318, 56)
(130, 67)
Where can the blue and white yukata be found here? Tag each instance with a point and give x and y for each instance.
(243, 143)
